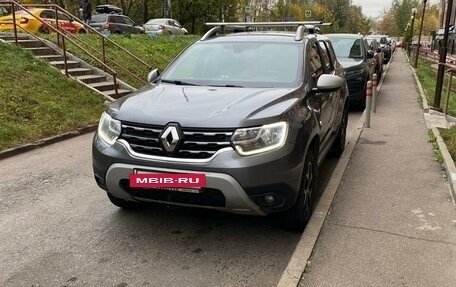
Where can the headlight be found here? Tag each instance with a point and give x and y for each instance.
(353, 73)
(260, 139)
(108, 129)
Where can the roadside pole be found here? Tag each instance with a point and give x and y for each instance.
(368, 103)
(374, 93)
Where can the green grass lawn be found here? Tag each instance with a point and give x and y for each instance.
(158, 52)
(37, 101)
(428, 75)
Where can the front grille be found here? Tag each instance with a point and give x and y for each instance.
(207, 196)
(194, 144)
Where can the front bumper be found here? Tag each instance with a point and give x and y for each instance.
(233, 183)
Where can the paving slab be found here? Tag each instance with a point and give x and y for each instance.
(393, 222)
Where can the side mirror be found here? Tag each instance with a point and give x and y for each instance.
(370, 54)
(328, 83)
(153, 76)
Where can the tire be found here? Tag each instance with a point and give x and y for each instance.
(338, 145)
(362, 102)
(43, 30)
(123, 203)
(298, 216)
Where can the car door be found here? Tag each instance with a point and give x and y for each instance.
(48, 16)
(334, 97)
(129, 25)
(116, 24)
(177, 28)
(369, 60)
(321, 101)
(66, 23)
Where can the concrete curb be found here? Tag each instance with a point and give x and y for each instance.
(450, 167)
(300, 258)
(47, 141)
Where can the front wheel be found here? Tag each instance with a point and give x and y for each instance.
(43, 30)
(298, 216)
(338, 145)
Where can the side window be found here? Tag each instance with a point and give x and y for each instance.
(315, 62)
(63, 17)
(47, 14)
(177, 24)
(115, 19)
(128, 21)
(325, 57)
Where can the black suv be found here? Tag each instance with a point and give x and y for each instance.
(255, 113)
(354, 54)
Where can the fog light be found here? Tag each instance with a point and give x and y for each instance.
(269, 199)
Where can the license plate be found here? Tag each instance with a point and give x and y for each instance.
(183, 182)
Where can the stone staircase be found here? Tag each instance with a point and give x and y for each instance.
(89, 76)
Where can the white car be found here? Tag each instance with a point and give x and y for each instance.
(164, 26)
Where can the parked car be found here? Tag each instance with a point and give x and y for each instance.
(253, 113)
(378, 55)
(353, 53)
(164, 27)
(384, 45)
(33, 25)
(115, 24)
(108, 9)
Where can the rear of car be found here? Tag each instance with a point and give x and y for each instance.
(114, 24)
(164, 26)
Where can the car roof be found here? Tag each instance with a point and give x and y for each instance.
(345, 35)
(259, 36)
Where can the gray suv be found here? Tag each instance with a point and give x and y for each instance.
(115, 24)
(255, 113)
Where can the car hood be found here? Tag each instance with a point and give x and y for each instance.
(203, 106)
(350, 62)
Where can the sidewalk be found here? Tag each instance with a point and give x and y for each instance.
(392, 222)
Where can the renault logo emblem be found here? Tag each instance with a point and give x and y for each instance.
(170, 138)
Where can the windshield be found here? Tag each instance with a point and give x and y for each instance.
(245, 64)
(156, 21)
(383, 40)
(347, 47)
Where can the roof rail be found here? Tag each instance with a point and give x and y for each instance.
(219, 27)
(264, 24)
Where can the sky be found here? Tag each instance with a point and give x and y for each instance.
(374, 8)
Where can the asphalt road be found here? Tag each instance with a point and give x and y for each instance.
(57, 228)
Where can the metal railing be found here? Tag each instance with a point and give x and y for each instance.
(63, 35)
(450, 68)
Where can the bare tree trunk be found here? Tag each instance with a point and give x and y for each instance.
(145, 10)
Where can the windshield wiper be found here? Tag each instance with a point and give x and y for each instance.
(178, 82)
(227, 86)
